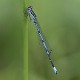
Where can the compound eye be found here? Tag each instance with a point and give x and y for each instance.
(30, 7)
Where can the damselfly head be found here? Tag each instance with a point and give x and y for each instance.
(30, 8)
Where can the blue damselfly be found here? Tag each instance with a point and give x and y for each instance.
(33, 17)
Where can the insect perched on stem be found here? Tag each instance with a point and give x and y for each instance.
(33, 17)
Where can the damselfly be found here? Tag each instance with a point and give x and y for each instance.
(33, 17)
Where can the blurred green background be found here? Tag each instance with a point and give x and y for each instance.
(60, 23)
(12, 38)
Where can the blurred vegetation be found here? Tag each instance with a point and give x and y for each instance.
(60, 23)
(12, 26)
